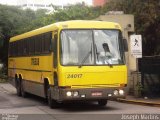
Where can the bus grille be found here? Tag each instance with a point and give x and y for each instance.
(96, 86)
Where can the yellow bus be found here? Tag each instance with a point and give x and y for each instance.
(70, 61)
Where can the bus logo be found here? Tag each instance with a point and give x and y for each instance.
(34, 61)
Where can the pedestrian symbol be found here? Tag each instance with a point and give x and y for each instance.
(136, 42)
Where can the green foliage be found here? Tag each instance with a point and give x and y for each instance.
(14, 21)
(76, 12)
(8, 22)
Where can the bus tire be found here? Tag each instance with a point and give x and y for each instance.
(52, 103)
(46, 85)
(18, 86)
(23, 93)
(102, 102)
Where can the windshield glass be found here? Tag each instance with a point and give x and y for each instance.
(107, 47)
(76, 44)
(90, 47)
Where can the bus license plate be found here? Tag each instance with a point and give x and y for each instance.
(96, 93)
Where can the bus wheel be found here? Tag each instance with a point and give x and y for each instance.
(52, 103)
(18, 87)
(102, 102)
(23, 93)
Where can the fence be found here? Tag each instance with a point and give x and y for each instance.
(150, 75)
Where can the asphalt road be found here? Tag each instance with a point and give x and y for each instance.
(35, 108)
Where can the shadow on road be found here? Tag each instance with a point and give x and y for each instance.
(74, 106)
(10, 100)
(85, 107)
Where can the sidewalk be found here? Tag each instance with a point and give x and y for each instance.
(7, 88)
(141, 101)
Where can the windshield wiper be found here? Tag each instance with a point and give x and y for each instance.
(109, 64)
(85, 58)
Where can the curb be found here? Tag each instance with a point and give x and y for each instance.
(139, 102)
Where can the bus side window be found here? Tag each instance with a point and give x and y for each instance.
(16, 48)
(31, 46)
(47, 42)
(20, 48)
(42, 43)
(26, 51)
(55, 51)
(38, 44)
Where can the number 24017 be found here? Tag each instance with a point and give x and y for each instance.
(74, 76)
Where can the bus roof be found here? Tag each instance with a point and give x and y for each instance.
(72, 24)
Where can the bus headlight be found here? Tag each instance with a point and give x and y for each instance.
(115, 92)
(121, 92)
(75, 94)
(69, 94)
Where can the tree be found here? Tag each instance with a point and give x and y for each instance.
(14, 21)
(76, 12)
(8, 21)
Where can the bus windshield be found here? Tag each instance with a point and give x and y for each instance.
(91, 47)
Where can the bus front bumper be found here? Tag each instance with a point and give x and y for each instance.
(88, 94)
